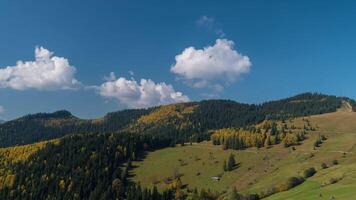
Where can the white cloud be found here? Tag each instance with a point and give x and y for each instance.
(47, 72)
(205, 21)
(141, 94)
(111, 77)
(131, 73)
(211, 66)
(2, 109)
(210, 24)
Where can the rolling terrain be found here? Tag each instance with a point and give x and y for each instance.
(260, 169)
(302, 147)
(340, 129)
(181, 121)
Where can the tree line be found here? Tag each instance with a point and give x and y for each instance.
(231, 138)
(186, 122)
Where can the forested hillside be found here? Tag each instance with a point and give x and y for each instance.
(91, 166)
(182, 122)
(13, 155)
(44, 126)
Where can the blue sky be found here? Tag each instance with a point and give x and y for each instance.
(291, 47)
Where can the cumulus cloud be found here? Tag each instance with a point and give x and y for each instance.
(212, 66)
(141, 94)
(46, 72)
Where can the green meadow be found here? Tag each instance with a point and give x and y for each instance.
(260, 169)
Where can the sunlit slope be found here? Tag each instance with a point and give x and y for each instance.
(12, 155)
(340, 128)
(182, 122)
(261, 169)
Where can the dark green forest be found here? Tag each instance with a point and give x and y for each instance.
(92, 166)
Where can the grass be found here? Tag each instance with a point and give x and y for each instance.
(197, 163)
(340, 128)
(260, 169)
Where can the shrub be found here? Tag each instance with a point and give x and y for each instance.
(294, 181)
(267, 192)
(309, 172)
(335, 162)
(331, 181)
(290, 183)
(323, 166)
(317, 143)
(290, 140)
(251, 197)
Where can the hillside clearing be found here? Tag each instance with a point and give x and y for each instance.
(259, 169)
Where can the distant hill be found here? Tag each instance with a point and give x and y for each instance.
(184, 122)
(45, 126)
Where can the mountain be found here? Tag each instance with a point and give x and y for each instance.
(36, 127)
(45, 126)
(184, 122)
(274, 143)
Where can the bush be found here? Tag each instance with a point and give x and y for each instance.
(290, 140)
(309, 172)
(331, 181)
(323, 166)
(290, 183)
(317, 143)
(268, 192)
(335, 162)
(294, 181)
(251, 197)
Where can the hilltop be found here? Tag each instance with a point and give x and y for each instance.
(185, 121)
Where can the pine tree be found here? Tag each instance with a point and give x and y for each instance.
(155, 193)
(231, 163)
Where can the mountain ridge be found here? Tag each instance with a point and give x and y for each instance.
(184, 121)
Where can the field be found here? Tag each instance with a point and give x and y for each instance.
(260, 169)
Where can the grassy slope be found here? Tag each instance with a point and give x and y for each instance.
(340, 127)
(263, 168)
